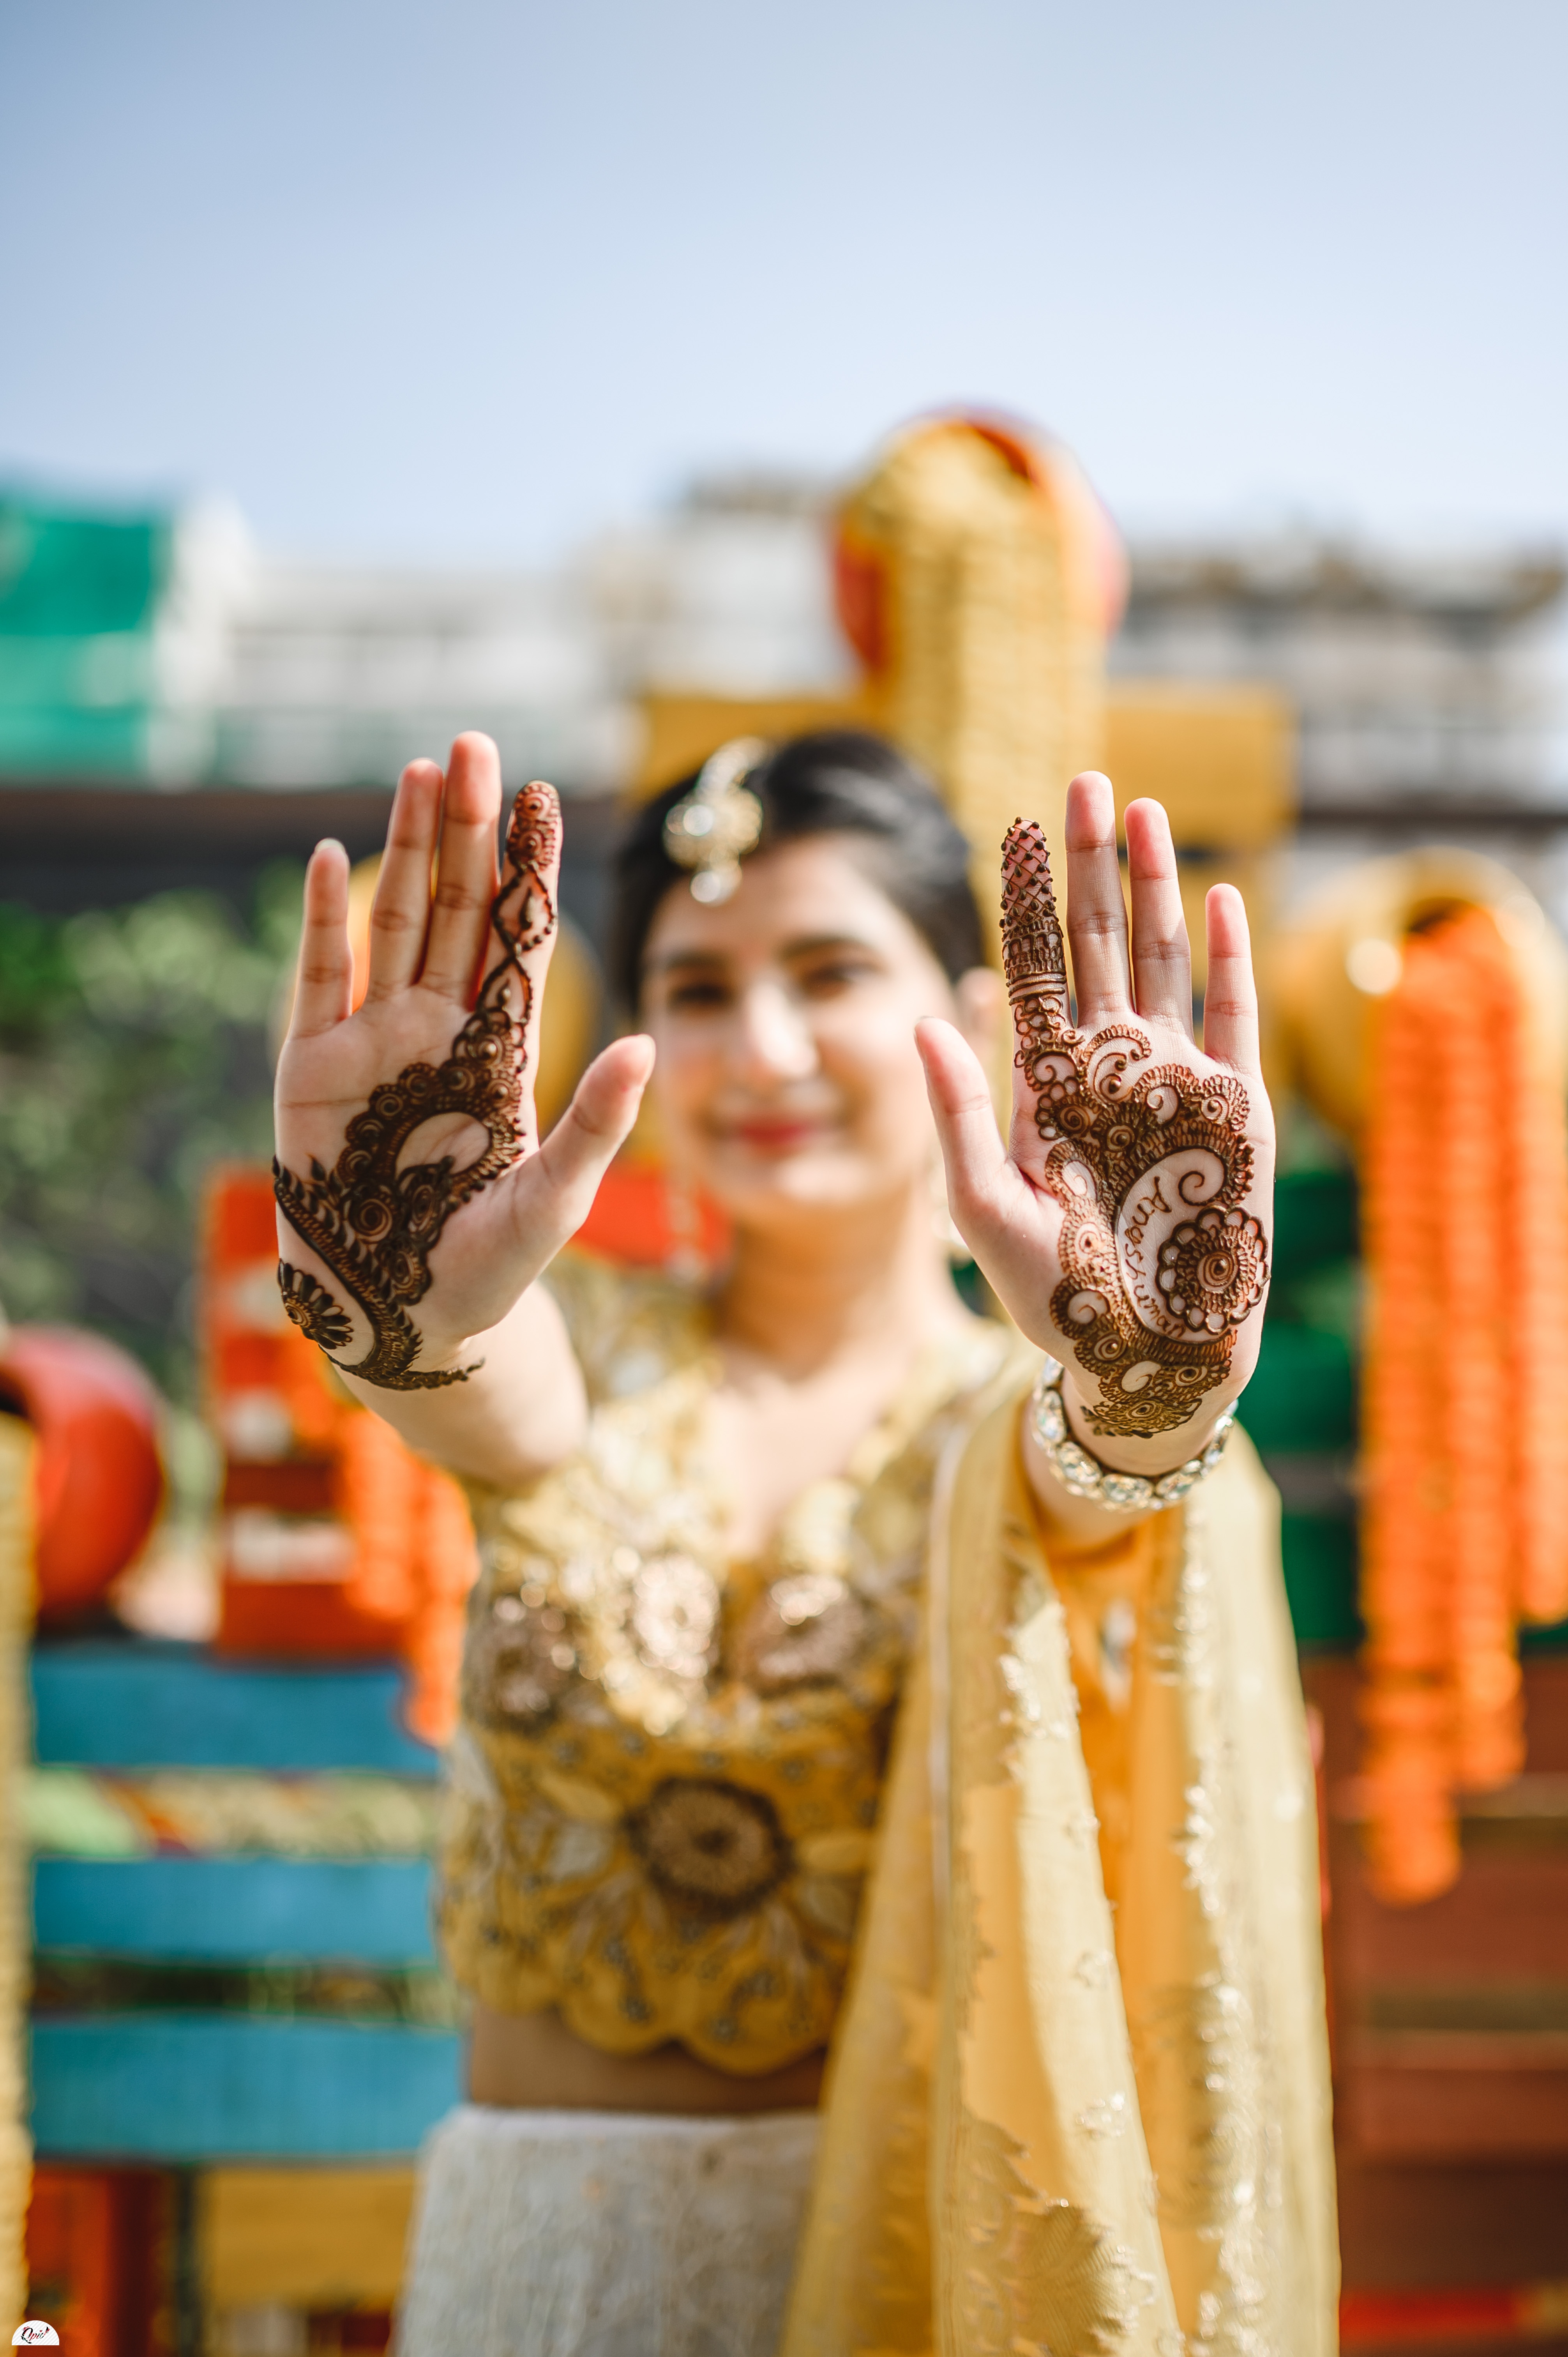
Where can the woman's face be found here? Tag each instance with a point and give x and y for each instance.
(787, 1075)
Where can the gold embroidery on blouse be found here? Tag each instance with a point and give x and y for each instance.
(662, 1802)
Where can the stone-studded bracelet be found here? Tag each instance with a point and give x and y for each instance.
(1086, 1477)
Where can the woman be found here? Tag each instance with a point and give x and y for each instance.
(711, 1526)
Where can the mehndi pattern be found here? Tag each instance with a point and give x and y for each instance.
(1151, 1164)
(375, 1225)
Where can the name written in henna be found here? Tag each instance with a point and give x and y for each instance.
(1161, 1260)
(374, 1225)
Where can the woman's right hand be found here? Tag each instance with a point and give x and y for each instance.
(429, 951)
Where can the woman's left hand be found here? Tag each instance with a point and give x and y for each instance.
(1125, 1227)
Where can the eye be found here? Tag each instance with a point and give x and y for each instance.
(828, 977)
(699, 995)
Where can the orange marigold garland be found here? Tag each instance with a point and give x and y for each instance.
(1466, 1387)
(1539, 1213)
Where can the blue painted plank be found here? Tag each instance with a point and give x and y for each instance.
(200, 2087)
(155, 1705)
(235, 1909)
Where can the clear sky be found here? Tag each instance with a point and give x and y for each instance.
(470, 278)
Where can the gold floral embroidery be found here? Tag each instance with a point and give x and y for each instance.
(517, 1661)
(1036, 2274)
(809, 1626)
(674, 1615)
(711, 1845)
(1196, 2050)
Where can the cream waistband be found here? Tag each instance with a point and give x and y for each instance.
(606, 2233)
(522, 2125)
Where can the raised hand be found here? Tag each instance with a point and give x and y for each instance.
(1126, 1230)
(409, 1163)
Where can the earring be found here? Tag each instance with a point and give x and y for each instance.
(685, 1259)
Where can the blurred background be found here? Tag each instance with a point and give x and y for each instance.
(369, 374)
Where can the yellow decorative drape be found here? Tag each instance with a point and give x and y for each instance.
(1048, 2125)
(979, 568)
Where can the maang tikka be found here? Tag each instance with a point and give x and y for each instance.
(710, 829)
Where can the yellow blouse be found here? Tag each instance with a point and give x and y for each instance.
(662, 1796)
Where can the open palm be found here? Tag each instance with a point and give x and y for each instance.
(1126, 1225)
(409, 1158)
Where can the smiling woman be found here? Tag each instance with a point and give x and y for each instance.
(784, 1014)
(771, 1566)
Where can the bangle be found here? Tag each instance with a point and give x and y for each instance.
(1086, 1477)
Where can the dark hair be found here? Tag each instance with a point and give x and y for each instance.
(833, 781)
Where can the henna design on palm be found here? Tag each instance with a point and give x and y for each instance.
(1161, 1262)
(375, 1226)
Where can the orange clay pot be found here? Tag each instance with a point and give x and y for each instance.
(98, 1480)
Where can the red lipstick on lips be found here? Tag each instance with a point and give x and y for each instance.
(783, 1135)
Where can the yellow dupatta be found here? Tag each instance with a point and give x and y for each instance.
(1048, 2126)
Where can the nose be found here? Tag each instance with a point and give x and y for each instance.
(776, 1041)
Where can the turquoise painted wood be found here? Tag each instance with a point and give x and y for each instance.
(139, 1704)
(205, 2087)
(79, 599)
(235, 1909)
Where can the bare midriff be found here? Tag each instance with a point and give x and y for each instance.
(531, 2061)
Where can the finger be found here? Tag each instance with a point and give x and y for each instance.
(973, 1153)
(1162, 958)
(594, 1127)
(1005, 1222)
(400, 914)
(1096, 913)
(1230, 1000)
(467, 878)
(323, 990)
(527, 907)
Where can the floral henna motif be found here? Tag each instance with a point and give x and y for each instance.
(312, 1308)
(1151, 1168)
(375, 1225)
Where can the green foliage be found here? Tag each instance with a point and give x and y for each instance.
(133, 1056)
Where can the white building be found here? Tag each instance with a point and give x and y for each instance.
(1427, 686)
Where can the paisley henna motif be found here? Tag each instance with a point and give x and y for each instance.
(376, 1225)
(1151, 1168)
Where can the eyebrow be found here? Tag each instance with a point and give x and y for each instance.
(805, 945)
